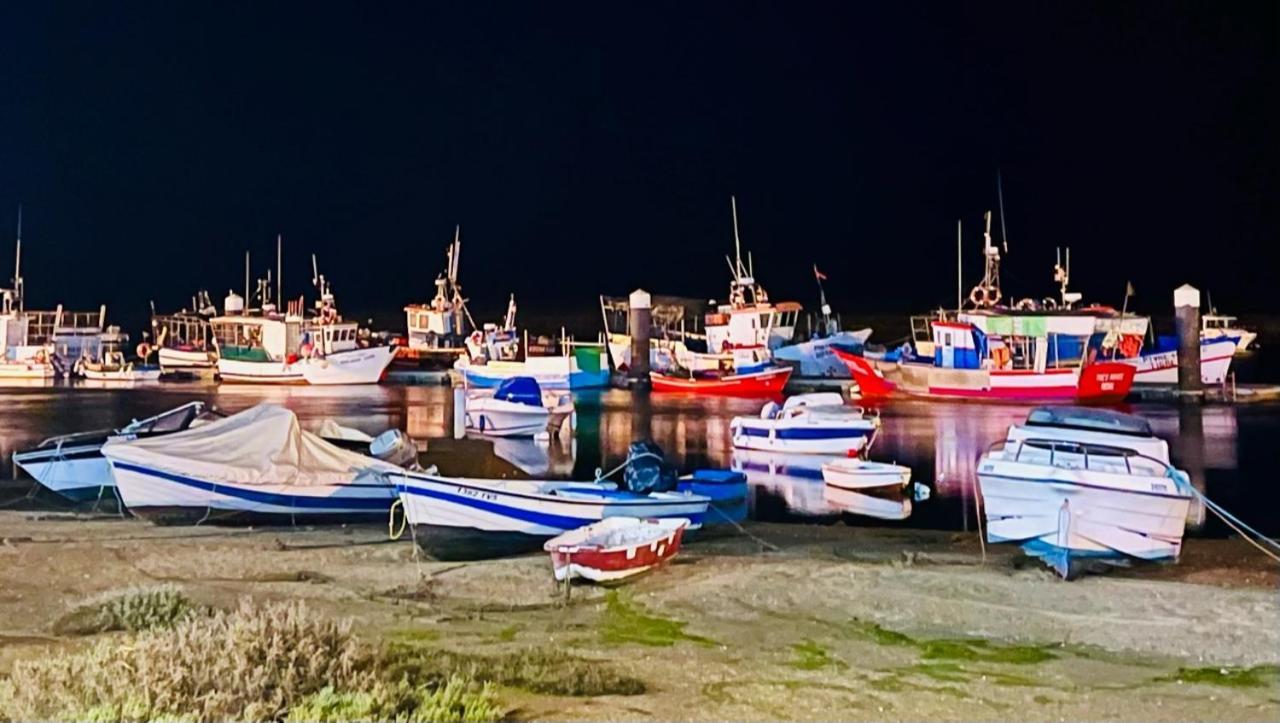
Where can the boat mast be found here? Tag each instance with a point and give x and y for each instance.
(279, 269)
(959, 267)
(17, 267)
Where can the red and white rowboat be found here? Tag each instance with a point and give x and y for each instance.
(756, 384)
(615, 547)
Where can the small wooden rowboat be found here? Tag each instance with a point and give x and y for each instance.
(615, 548)
(756, 384)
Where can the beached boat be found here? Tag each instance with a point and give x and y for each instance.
(456, 518)
(861, 474)
(517, 408)
(769, 382)
(72, 465)
(255, 466)
(615, 548)
(807, 423)
(1076, 486)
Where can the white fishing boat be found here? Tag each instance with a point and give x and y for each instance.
(1077, 485)
(72, 465)
(455, 518)
(517, 408)
(1215, 326)
(1160, 366)
(436, 331)
(108, 363)
(255, 466)
(293, 348)
(20, 359)
(860, 474)
(184, 341)
(807, 423)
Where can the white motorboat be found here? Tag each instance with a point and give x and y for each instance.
(456, 518)
(808, 424)
(255, 466)
(857, 474)
(517, 408)
(109, 363)
(1215, 326)
(1075, 485)
(72, 464)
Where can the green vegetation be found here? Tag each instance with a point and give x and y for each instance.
(812, 656)
(973, 649)
(256, 662)
(539, 671)
(1230, 677)
(134, 610)
(625, 623)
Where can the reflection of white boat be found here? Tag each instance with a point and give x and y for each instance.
(258, 465)
(517, 408)
(892, 506)
(795, 478)
(856, 474)
(72, 464)
(1084, 484)
(806, 423)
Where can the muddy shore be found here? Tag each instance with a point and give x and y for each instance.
(837, 622)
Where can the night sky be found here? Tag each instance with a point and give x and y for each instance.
(593, 147)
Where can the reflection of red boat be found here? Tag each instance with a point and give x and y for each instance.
(756, 384)
(1098, 383)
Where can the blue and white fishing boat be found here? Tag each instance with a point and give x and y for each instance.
(72, 464)
(518, 408)
(807, 424)
(455, 518)
(1077, 485)
(255, 466)
(584, 369)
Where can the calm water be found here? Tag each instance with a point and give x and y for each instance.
(1230, 452)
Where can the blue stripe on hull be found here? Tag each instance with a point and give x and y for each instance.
(807, 433)
(542, 519)
(301, 502)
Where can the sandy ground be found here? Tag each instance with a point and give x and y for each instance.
(806, 631)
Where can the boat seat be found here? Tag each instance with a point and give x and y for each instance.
(770, 411)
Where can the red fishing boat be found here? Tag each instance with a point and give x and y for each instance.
(766, 383)
(615, 548)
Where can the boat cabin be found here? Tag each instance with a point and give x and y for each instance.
(765, 325)
(182, 331)
(279, 338)
(1011, 342)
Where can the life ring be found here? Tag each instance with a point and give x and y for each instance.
(41, 357)
(1130, 345)
(144, 351)
(1025, 305)
(978, 297)
(993, 296)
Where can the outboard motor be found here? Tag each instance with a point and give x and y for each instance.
(395, 447)
(646, 473)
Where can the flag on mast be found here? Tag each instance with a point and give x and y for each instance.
(818, 274)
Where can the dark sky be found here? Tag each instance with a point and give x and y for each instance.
(592, 147)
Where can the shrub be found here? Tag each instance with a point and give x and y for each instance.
(539, 671)
(135, 610)
(457, 700)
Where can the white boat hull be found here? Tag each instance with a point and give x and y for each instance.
(178, 360)
(1245, 336)
(802, 435)
(501, 418)
(1060, 513)
(165, 496)
(26, 370)
(814, 358)
(260, 372)
(854, 474)
(1162, 368)
(459, 518)
(356, 366)
(142, 374)
(77, 472)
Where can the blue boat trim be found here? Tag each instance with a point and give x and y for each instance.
(272, 498)
(807, 433)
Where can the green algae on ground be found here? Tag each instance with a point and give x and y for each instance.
(878, 634)
(812, 656)
(509, 633)
(1229, 677)
(625, 623)
(981, 650)
(550, 672)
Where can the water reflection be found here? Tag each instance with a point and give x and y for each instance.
(1228, 451)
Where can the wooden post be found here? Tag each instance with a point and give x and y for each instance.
(640, 321)
(1186, 310)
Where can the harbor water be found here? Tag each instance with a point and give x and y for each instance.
(1229, 451)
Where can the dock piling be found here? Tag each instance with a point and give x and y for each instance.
(1186, 306)
(640, 321)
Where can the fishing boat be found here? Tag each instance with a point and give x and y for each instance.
(581, 369)
(1220, 327)
(184, 341)
(517, 408)
(766, 383)
(110, 365)
(437, 329)
(21, 358)
(72, 465)
(1077, 486)
(807, 423)
(255, 466)
(615, 548)
(814, 357)
(455, 518)
(1159, 365)
(861, 474)
(293, 348)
